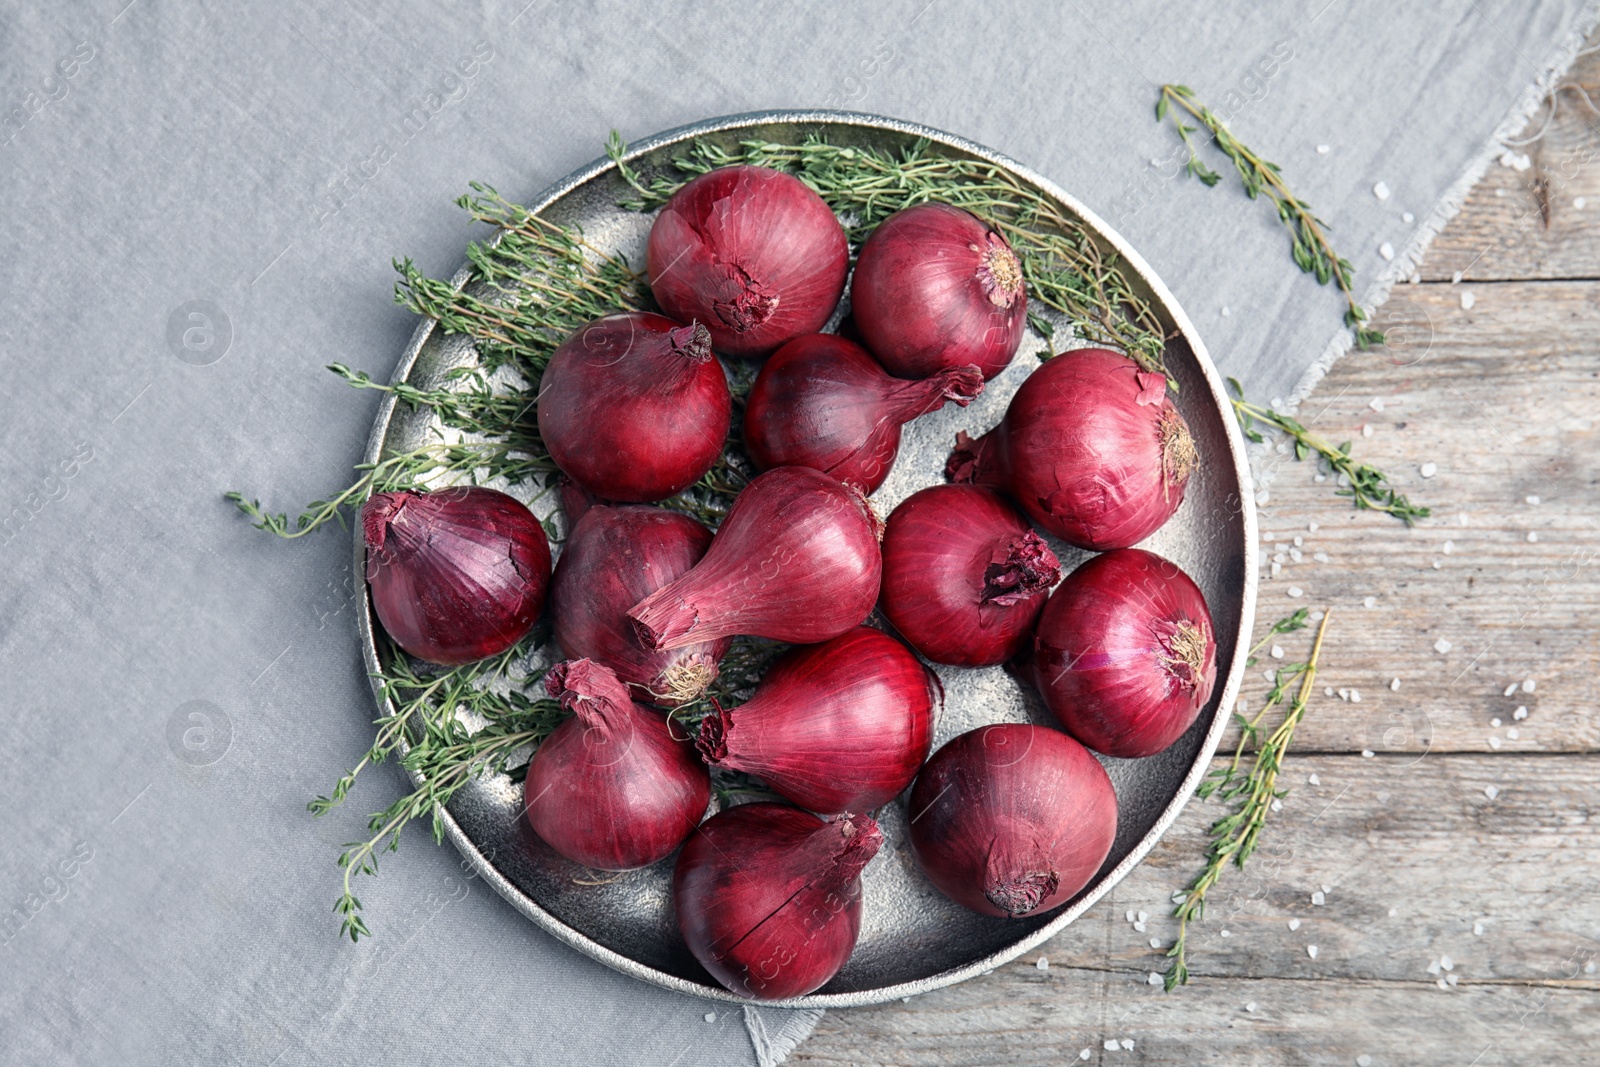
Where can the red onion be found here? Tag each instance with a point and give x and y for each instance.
(841, 726)
(964, 575)
(769, 897)
(936, 288)
(822, 402)
(1012, 819)
(634, 407)
(614, 558)
(795, 560)
(611, 788)
(1125, 653)
(456, 575)
(1090, 447)
(752, 253)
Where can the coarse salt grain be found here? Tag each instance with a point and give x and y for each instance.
(1277, 804)
(1268, 536)
(1111, 1044)
(1363, 1060)
(1318, 898)
(1529, 685)
(1442, 646)
(1153, 979)
(1155, 942)
(1407, 217)
(1579, 202)
(1376, 403)
(1462, 518)
(1468, 298)
(1447, 963)
(1312, 779)
(1270, 676)
(1320, 557)
(1437, 565)
(1428, 470)
(1127, 1044)
(1277, 651)
(1495, 722)
(1143, 916)
(1327, 690)
(1369, 602)
(1433, 968)
(1138, 927)
(1512, 688)
(1588, 968)
(1477, 929)
(1494, 742)
(1294, 924)
(1381, 191)
(1085, 1054)
(1312, 527)
(1521, 712)
(1227, 933)
(1533, 500)
(1296, 591)
(1448, 547)
(1393, 912)
(1455, 279)
(1512, 734)
(1386, 250)
(1452, 979)
(1491, 791)
(1130, 915)
(1323, 149)
(1532, 537)
(1311, 950)
(1251, 1006)
(1367, 753)
(711, 1016)
(1043, 964)
(1299, 541)
(1394, 684)
(1355, 696)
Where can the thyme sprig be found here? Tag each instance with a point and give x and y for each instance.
(1313, 252)
(1368, 488)
(1234, 837)
(1065, 268)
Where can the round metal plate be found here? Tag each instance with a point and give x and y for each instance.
(912, 939)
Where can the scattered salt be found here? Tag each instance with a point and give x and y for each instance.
(1327, 690)
(1363, 1060)
(1085, 1054)
(1312, 779)
(1441, 983)
(1448, 547)
(1394, 684)
(1442, 646)
(1153, 979)
(1491, 791)
(1428, 470)
(1144, 916)
(1521, 712)
(1407, 217)
(1578, 202)
(1512, 734)
(1355, 696)
(1130, 915)
(1111, 1044)
(1296, 591)
(711, 1016)
(1323, 149)
(1277, 651)
(1477, 929)
(1127, 1044)
(1533, 500)
(1268, 536)
(1043, 964)
(1386, 250)
(1455, 279)
(1299, 542)
(1320, 557)
(1376, 403)
(1462, 518)
(1495, 722)
(1277, 805)
(1438, 565)
(1529, 685)
(1311, 950)
(1366, 429)
(1452, 978)
(1270, 676)
(1447, 963)
(1226, 311)
(1467, 299)
(1367, 753)
(1510, 689)
(1139, 927)
(1294, 924)
(1312, 527)
(1155, 942)
(1393, 912)
(1227, 933)
(1532, 537)
(1588, 968)
(1369, 602)
(1318, 898)
(1433, 968)
(1251, 1006)
(1494, 742)
(1381, 191)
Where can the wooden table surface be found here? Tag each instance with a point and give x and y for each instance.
(1437, 827)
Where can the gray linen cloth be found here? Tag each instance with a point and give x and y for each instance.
(177, 684)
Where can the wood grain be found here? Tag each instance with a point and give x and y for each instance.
(1463, 818)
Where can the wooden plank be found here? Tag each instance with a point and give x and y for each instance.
(1503, 398)
(1413, 852)
(1540, 222)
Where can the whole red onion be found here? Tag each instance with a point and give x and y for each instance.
(614, 558)
(752, 253)
(964, 575)
(769, 897)
(456, 574)
(634, 407)
(937, 288)
(841, 726)
(822, 402)
(1125, 653)
(795, 560)
(1012, 819)
(611, 788)
(1090, 447)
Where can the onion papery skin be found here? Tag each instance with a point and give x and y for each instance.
(457, 574)
(1012, 819)
(1126, 654)
(935, 288)
(840, 726)
(752, 253)
(614, 557)
(634, 407)
(768, 897)
(796, 559)
(1091, 447)
(964, 575)
(823, 402)
(611, 788)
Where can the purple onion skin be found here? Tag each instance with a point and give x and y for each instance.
(456, 575)
(1091, 447)
(750, 252)
(1012, 819)
(768, 897)
(934, 289)
(614, 558)
(840, 726)
(964, 575)
(796, 559)
(611, 788)
(823, 402)
(634, 407)
(1126, 653)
